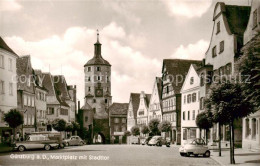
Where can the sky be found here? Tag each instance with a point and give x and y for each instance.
(136, 36)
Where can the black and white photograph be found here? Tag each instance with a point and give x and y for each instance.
(129, 82)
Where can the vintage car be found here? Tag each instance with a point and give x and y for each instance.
(159, 141)
(135, 140)
(74, 140)
(146, 140)
(36, 142)
(195, 147)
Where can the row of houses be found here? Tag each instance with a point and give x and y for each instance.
(40, 97)
(178, 95)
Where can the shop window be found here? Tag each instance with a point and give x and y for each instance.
(192, 133)
(247, 128)
(253, 128)
(184, 134)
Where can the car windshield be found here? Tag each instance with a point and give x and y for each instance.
(196, 142)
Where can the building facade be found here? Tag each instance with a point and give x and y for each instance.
(26, 93)
(173, 75)
(155, 109)
(229, 23)
(142, 112)
(251, 124)
(118, 122)
(98, 90)
(132, 110)
(190, 105)
(8, 85)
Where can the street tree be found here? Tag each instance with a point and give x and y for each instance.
(249, 67)
(165, 126)
(127, 133)
(227, 103)
(135, 130)
(68, 128)
(76, 127)
(204, 121)
(59, 124)
(145, 129)
(154, 126)
(13, 118)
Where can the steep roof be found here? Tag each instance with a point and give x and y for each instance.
(178, 68)
(118, 109)
(61, 91)
(48, 84)
(86, 106)
(4, 46)
(159, 85)
(135, 97)
(148, 98)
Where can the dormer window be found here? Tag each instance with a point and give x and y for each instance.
(191, 80)
(218, 27)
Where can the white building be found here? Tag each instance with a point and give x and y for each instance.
(8, 86)
(155, 109)
(132, 110)
(142, 112)
(251, 126)
(190, 105)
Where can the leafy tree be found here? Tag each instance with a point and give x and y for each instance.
(145, 129)
(249, 66)
(76, 126)
(13, 118)
(227, 102)
(59, 124)
(135, 130)
(153, 126)
(165, 126)
(69, 127)
(204, 121)
(127, 133)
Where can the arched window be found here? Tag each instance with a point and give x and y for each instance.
(253, 128)
(247, 128)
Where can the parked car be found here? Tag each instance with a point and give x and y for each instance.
(195, 147)
(74, 140)
(159, 141)
(135, 140)
(36, 142)
(145, 141)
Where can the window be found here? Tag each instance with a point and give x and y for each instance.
(183, 115)
(192, 133)
(50, 111)
(105, 100)
(63, 111)
(188, 115)
(116, 120)
(116, 128)
(10, 88)
(218, 27)
(123, 120)
(191, 80)
(89, 78)
(184, 99)
(2, 64)
(89, 89)
(253, 128)
(123, 128)
(107, 79)
(25, 119)
(89, 69)
(86, 119)
(141, 112)
(10, 64)
(202, 79)
(189, 98)
(98, 78)
(194, 97)
(29, 101)
(94, 100)
(228, 69)
(2, 87)
(202, 103)
(214, 52)
(255, 19)
(98, 69)
(247, 128)
(221, 46)
(193, 115)
(24, 100)
(32, 101)
(184, 134)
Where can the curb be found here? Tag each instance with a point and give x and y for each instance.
(217, 161)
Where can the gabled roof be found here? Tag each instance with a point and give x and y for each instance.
(61, 90)
(118, 109)
(135, 98)
(178, 68)
(4, 46)
(147, 99)
(159, 86)
(22, 65)
(86, 106)
(48, 84)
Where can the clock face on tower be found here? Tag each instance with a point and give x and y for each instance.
(99, 92)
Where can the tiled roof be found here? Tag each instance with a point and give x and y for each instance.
(118, 109)
(4, 46)
(148, 98)
(48, 84)
(159, 85)
(135, 97)
(178, 68)
(97, 61)
(22, 64)
(61, 91)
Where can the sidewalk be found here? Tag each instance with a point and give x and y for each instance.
(242, 157)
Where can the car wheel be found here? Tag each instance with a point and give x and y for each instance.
(21, 148)
(188, 154)
(207, 154)
(196, 155)
(47, 147)
(81, 143)
(158, 144)
(67, 144)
